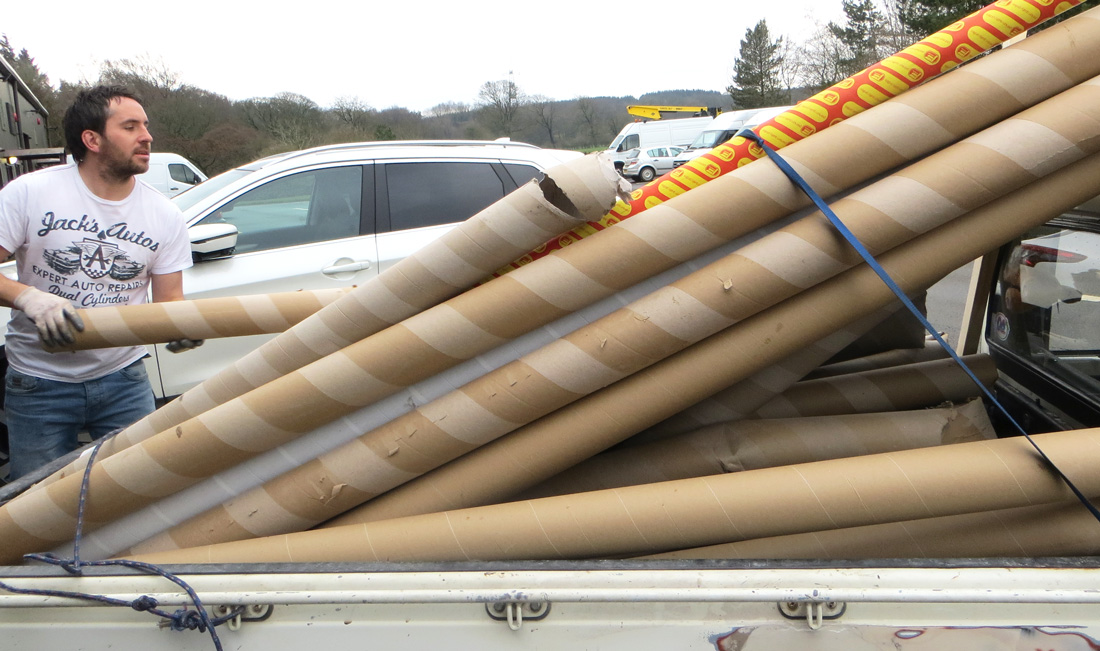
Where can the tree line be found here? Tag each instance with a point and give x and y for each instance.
(771, 71)
(218, 133)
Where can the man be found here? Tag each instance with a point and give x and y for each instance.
(85, 234)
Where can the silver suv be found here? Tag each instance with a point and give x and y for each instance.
(329, 217)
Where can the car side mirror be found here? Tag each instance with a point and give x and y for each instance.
(212, 241)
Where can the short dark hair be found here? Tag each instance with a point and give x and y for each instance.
(89, 111)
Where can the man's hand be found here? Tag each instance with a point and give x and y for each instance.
(180, 345)
(55, 317)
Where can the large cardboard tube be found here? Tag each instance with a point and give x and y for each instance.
(753, 444)
(908, 386)
(912, 386)
(931, 351)
(206, 318)
(1046, 530)
(652, 518)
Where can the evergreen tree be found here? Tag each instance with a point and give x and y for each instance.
(861, 35)
(24, 65)
(756, 71)
(925, 17)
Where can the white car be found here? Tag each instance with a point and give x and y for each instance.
(646, 165)
(328, 217)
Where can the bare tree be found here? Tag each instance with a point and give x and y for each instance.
(150, 77)
(291, 119)
(353, 112)
(500, 103)
(821, 59)
(544, 111)
(789, 72)
(590, 114)
(449, 108)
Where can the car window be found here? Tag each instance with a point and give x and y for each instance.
(426, 194)
(523, 173)
(1047, 302)
(311, 206)
(182, 173)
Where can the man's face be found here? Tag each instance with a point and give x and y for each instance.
(125, 142)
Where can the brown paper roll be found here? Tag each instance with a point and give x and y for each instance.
(206, 318)
(1047, 530)
(912, 386)
(750, 445)
(931, 351)
(835, 494)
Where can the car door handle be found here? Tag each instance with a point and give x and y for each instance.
(358, 265)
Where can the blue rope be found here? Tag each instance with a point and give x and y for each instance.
(180, 620)
(874, 265)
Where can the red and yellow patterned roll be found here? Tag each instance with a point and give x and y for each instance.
(947, 48)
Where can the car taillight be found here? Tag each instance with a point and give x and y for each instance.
(1033, 254)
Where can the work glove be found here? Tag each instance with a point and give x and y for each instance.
(180, 345)
(55, 317)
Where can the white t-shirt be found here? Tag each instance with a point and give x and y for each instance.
(94, 252)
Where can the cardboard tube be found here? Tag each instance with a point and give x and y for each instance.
(896, 74)
(761, 274)
(846, 154)
(1047, 530)
(931, 351)
(750, 445)
(207, 318)
(912, 386)
(834, 494)
(496, 471)
(751, 393)
(570, 194)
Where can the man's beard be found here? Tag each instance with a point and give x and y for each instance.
(120, 165)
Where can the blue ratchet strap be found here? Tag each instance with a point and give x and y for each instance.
(873, 264)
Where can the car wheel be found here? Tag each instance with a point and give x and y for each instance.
(647, 174)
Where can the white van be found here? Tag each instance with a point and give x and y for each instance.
(656, 133)
(171, 173)
(724, 127)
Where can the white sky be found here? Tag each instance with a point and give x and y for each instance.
(413, 54)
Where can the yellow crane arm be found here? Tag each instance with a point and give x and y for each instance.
(654, 112)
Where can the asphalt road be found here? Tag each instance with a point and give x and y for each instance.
(946, 300)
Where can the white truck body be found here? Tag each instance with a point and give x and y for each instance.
(718, 606)
(171, 173)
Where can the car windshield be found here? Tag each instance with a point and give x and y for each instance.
(203, 190)
(707, 139)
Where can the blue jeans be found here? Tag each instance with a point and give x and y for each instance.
(45, 416)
